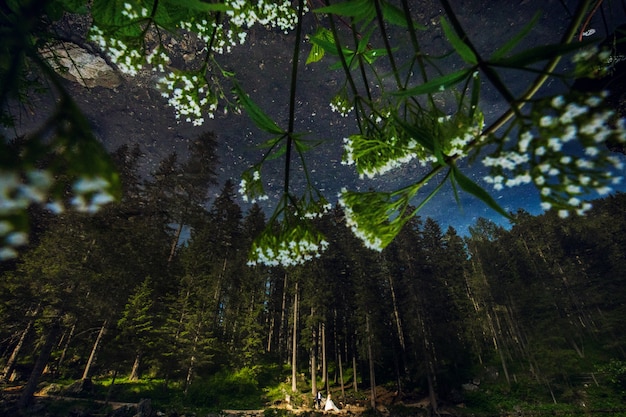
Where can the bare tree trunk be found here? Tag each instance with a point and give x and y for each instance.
(499, 348)
(396, 314)
(217, 296)
(313, 358)
(8, 369)
(175, 242)
(281, 327)
(343, 392)
(356, 387)
(294, 342)
(94, 350)
(371, 363)
(324, 362)
(270, 334)
(66, 344)
(134, 372)
(192, 359)
(10, 365)
(40, 364)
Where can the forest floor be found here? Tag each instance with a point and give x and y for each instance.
(384, 400)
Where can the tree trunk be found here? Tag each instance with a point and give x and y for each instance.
(66, 345)
(175, 243)
(356, 388)
(282, 327)
(217, 296)
(94, 350)
(40, 364)
(313, 358)
(271, 317)
(294, 345)
(8, 369)
(343, 392)
(324, 362)
(134, 372)
(371, 363)
(192, 359)
(396, 314)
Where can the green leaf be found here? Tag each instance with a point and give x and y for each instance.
(457, 43)
(108, 12)
(270, 143)
(373, 54)
(316, 54)
(538, 54)
(325, 40)
(203, 6)
(394, 15)
(358, 9)
(260, 119)
(278, 153)
(504, 49)
(438, 84)
(476, 190)
(322, 41)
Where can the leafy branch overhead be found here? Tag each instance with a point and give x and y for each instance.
(556, 143)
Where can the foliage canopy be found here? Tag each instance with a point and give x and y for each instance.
(556, 143)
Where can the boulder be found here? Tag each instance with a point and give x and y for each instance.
(79, 65)
(144, 408)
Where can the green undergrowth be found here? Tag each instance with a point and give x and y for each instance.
(537, 400)
(246, 388)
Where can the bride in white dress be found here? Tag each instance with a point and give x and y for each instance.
(330, 405)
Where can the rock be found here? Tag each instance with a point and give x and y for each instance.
(52, 389)
(144, 408)
(79, 65)
(470, 387)
(80, 387)
(125, 411)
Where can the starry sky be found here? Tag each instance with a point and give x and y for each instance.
(486, 22)
(135, 112)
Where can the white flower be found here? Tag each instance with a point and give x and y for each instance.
(546, 121)
(573, 189)
(573, 201)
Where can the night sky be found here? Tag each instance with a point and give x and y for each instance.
(136, 113)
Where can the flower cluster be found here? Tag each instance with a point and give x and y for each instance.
(295, 242)
(592, 62)
(377, 154)
(17, 193)
(388, 145)
(383, 148)
(312, 209)
(221, 39)
(374, 217)
(277, 14)
(158, 59)
(190, 96)
(129, 60)
(563, 153)
(90, 194)
(131, 13)
(457, 133)
(251, 187)
(341, 104)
